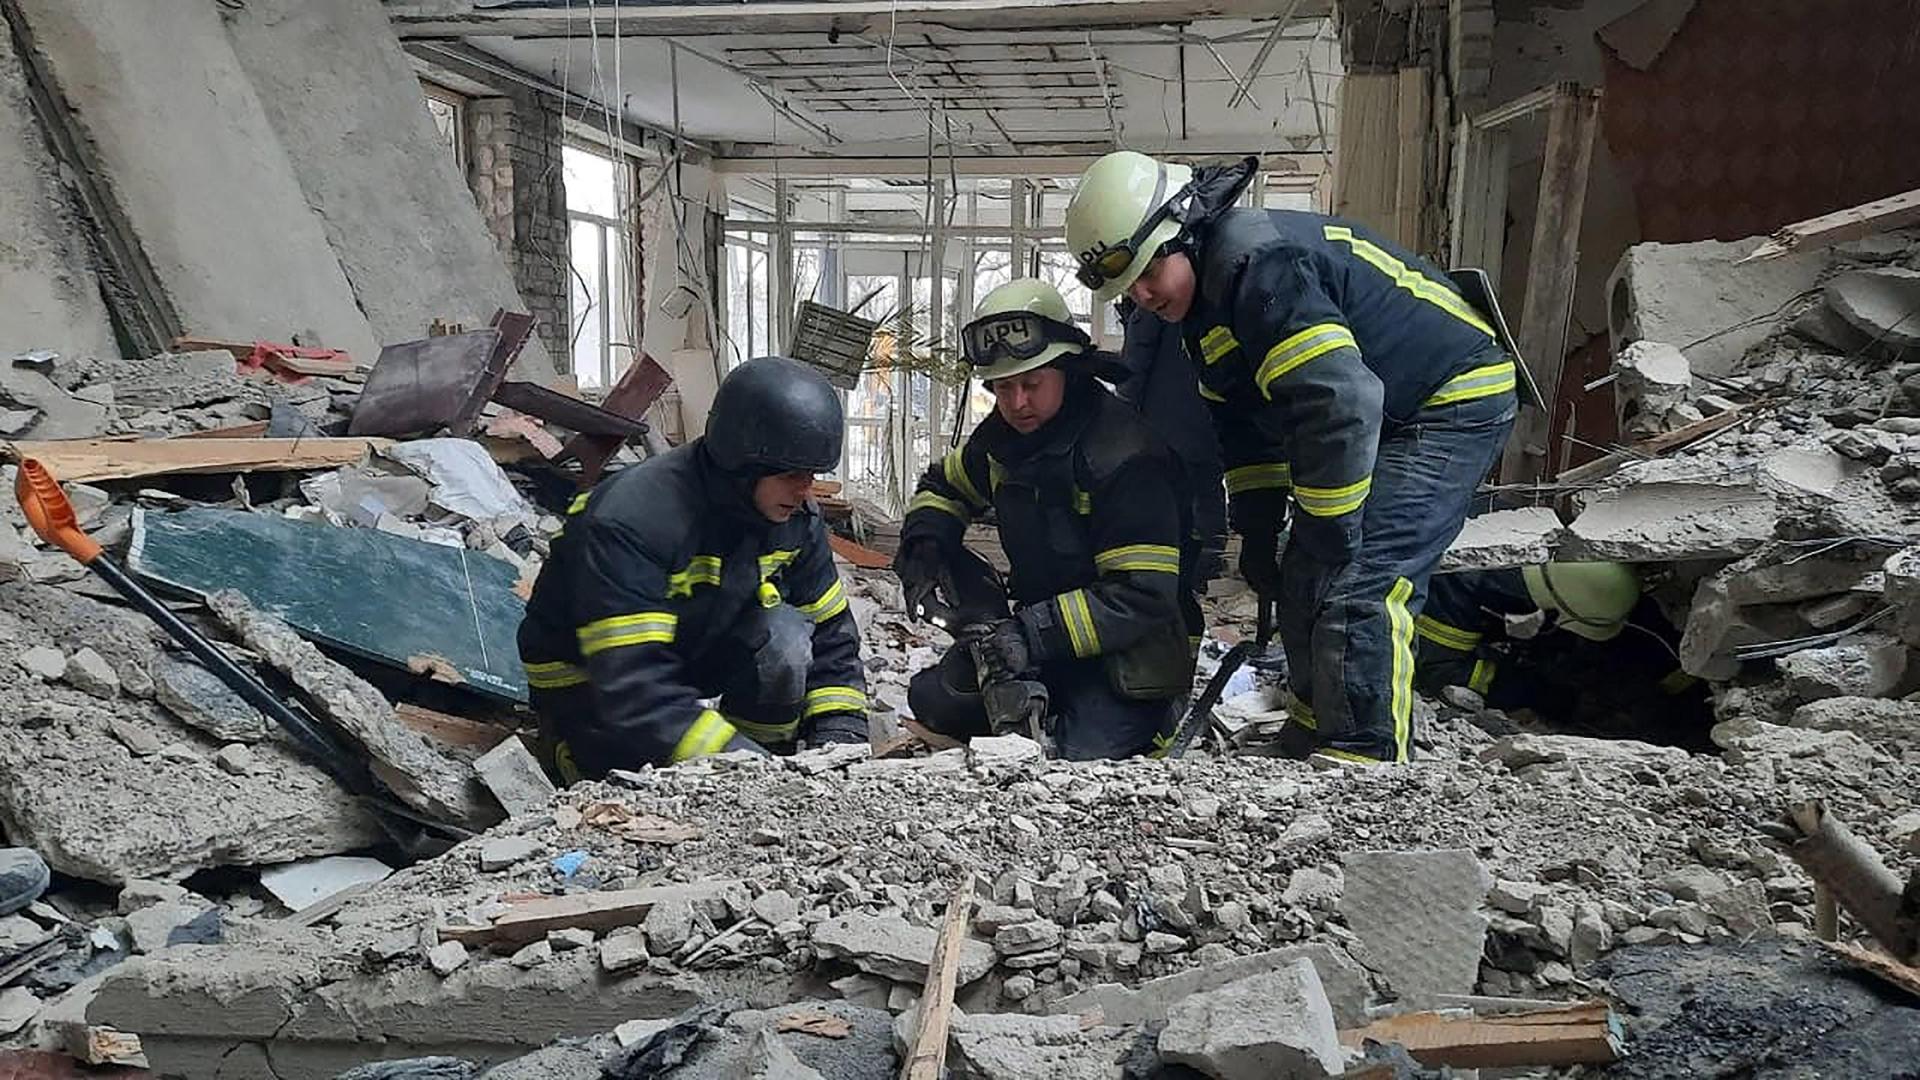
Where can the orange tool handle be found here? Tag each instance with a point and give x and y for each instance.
(49, 512)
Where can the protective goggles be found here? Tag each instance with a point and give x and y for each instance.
(1104, 264)
(1017, 335)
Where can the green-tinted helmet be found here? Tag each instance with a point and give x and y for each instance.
(1592, 599)
(1018, 327)
(1126, 206)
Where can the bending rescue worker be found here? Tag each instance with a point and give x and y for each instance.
(1092, 515)
(1343, 372)
(701, 573)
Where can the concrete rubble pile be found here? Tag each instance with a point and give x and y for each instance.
(1134, 892)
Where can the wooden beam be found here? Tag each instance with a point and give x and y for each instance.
(1410, 159)
(1525, 105)
(1550, 272)
(1659, 444)
(439, 19)
(1585, 1034)
(928, 1058)
(1892, 212)
(127, 459)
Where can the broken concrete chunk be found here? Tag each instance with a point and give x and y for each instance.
(891, 947)
(137, 738)
(1418, 917)
(1863, 665)
(532, 956)
(570, 938)
(1701, 297)
(501, 852)
(775, 906)
(1670, 521)
(43, 663)
(1902, 593)
(1880, 303)
(143, 893)
(1344, 981)
(418, 774)
(237, 759)
(61, 415)
(1270, 1027)
(1892, 722)
(623, 950)
(446, 958)
(171, 381)
(1003, 751)
(1746, 739)
(200, 700)
(1011, 1046)
(515, 778)
(18, 1005)
(1652, 379)
(1523, 537)
(1027, 937)
(185, 922)
(669, 926)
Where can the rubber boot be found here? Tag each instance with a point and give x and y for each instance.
(23, 877)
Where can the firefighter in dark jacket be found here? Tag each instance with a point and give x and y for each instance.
(1347, 377)
(703, 573)
(1092, 515)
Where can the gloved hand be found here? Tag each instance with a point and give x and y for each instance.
(1005, 650)
(1260, 562)
(920, 565)
(836, 728)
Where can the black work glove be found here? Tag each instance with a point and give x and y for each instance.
(922, 569)
(841, 727)
(1006, 651)
(1260, 562)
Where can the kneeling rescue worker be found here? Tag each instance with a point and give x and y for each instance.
(1340, 369)
(1092, 515)
(702, 573)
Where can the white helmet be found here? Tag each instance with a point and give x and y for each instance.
(1020, 326)
(1117, 197)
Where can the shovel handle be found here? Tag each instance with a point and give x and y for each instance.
(50, 514)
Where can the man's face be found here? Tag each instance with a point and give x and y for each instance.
(1166, 288)
(1030, 399)
(780, 495)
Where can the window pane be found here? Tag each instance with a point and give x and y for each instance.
(759, 302)
(738, 320)
(590, 182)
(619, 300)
(583, 251)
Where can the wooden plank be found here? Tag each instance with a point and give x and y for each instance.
(1410, 172)
(126, 459)
(637, 389)
(928, 1058)
(1550, 272)
(1892, 212)
(515, 327)
(1584, 1034)
(1666, 440)
(1525, 105)
(450, 730)
(600, 912)
(864, 557)
(255, 430)
(1366, 169)
(1904, 976)
(564, 409)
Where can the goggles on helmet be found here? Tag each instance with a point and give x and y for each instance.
(1104, 264)
(1020, 335)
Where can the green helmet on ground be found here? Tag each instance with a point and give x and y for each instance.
(1115, 197)
(1020, 326)
(1591, 599)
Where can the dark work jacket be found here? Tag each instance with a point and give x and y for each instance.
(1312, 335)
(655, 566)
(1092, 513)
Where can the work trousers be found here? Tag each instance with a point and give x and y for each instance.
(1348, 629)
(758, 670)
(1090, 718)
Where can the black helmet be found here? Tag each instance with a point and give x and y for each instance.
(773, 414)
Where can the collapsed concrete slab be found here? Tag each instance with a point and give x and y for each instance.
(1343, 981)
(1524, 537)
(345, 103)
(1882, 304)
(1699, 298)
(1275, 1026)
(73, 790)
(1672, 520)
(1418, 917)
(1753, 601)
(139, 106)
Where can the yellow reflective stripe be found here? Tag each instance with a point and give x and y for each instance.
(1077, 618)
(1316, 340)
(1274, 474)
(954, 466)
(772, 561)
(1155, 558)
(1161, 744)
(1481, 677)
(1210, 395)
(832, 699)
(1405, 277)
(554, 675)
(1478, 383)
(767, 733)
(831, 603)
(708, 734)
(1453, 637)
(1217, 343)
(579, 503)
(927, 500)
(1082, 502)
(700, 570)
(1301, 713)
(1676, 681)
(1332, 502)
(1401, 624)
(639, 628)
(1348, 755)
